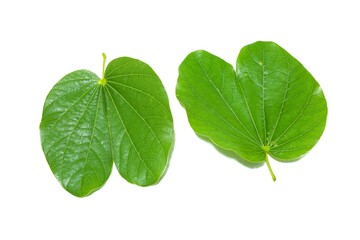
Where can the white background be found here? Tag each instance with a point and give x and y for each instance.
(204, 195)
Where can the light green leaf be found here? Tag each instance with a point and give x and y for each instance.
(271, 105)
(88, 123)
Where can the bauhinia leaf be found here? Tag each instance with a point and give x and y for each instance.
(271, 105)
(90, 122)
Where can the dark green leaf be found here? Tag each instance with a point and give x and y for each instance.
(271, 105)
(88, 123)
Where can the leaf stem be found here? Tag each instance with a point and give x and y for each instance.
(102, 81)
(103, 65)
(269, 167)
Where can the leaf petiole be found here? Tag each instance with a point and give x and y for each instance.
(102, 81)
(103, 66)
(269, 167)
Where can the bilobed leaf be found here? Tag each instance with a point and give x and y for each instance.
(271, 105)
(90, 122)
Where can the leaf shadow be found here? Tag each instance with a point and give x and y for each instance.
(231, 154)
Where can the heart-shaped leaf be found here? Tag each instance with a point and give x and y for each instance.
(271, 105)
(90, 122)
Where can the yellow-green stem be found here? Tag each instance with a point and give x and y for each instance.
(103, 66)
(102, 80)
(269, 167)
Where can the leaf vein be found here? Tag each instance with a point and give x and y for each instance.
(226, 103)
(221, 117)
(142, 118)
(127, 133)
(247, 104)
(300, 114)
(63, 114)
(143, 92)
(283, 101)
(131, 74)
(72, 131)
(299, 136)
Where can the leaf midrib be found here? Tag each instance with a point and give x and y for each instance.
(91, 141)
(247, 104)
(270, 143)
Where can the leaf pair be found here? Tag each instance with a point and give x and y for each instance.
(90, 122)
(270, 105)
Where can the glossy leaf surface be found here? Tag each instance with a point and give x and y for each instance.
(270, 105)
(140, 120)
(88, 123)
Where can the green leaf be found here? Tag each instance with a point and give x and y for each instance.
(90, 122)
(140, 120)
(271, 105)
